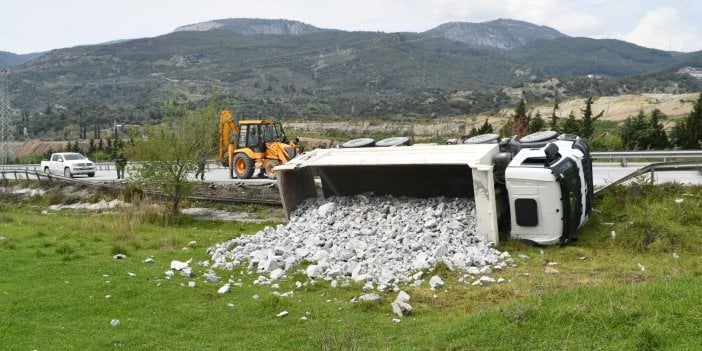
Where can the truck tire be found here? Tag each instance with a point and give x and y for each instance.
(243, 166)
(483, 139)
(537, 137)
(91, 175)
(67, 173)
(270, 172)
(362, 142)
(394, 141)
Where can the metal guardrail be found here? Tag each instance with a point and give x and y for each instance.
(664, 155)
(101, 166)
(652, 168)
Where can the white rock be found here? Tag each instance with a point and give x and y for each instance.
(395, 320)
(314, 271)
(277, 274)
(224, 289)
(282, 314)
(178, 265)
(211, 277)
(149, 260)
(383, 240)
(402, 296)
(436, 282)
(119, 256)
(473, 270)
(487, 280)
(187, 272)
(169, 274)
(326, 209)
(191, 284)
(401, 308)
(369, 297)
(115, 322)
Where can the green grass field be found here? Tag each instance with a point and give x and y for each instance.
(60, 287)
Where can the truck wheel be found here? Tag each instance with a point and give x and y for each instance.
(91, 175)
(394, 141)
(67, 173)
(270, 172)
(243, 166)
(361, 142)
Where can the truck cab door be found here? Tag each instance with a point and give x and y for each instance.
(56, 164)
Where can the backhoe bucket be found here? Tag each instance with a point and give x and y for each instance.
(421, 171)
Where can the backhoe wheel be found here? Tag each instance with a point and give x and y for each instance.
(243, 166)
(270, 172)
(67, 173)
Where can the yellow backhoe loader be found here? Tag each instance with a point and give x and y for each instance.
(247, 145)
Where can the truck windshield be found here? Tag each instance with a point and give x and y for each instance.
(71, 157)
(567, 174)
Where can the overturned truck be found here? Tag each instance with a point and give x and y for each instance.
(537, 189)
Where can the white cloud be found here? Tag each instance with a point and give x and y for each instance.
(665, 29)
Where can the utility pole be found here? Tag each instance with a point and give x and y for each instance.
(7, 153)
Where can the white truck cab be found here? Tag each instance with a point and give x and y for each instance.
(549, 191)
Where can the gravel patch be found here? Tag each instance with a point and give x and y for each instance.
(382, 240)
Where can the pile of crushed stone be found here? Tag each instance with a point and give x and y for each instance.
(382, 240)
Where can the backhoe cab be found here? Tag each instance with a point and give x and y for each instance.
(247, 145)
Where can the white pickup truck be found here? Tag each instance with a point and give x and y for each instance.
(68, 164)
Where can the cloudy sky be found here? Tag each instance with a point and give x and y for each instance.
(38, 25)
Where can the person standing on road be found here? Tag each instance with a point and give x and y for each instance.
(120, 164)
(201, 159)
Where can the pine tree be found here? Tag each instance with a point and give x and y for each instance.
(587, 124)
(520, 124)
(570, 125)
(687, 134)
(659, 139)
(537, 123)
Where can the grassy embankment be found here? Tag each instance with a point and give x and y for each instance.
(623, 293)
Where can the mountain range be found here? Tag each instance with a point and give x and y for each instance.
(289, 69)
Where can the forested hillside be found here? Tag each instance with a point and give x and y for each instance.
(306, 71)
